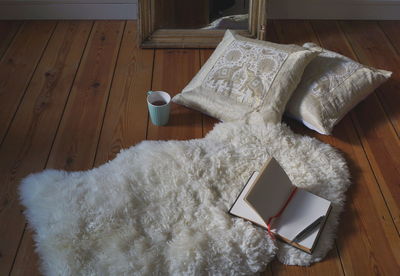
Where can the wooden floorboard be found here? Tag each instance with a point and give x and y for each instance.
(77, 138)
(377, 134)
(333, 39)
(294, 32)
(372, 47)
(17, 66)
(173, 69)
(80, 96)
(8, 30)
(125, 122)
(28, 142)
(368, 240)
(76, 142)
(392, 32)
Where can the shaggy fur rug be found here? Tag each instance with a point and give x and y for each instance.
(160, 207)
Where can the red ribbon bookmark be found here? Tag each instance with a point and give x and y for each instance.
(280, 212)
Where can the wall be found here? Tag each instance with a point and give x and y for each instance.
(127, 9)
(334, 9)
(68, 9)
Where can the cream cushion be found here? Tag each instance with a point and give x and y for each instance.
(331, 86)
(246, 78)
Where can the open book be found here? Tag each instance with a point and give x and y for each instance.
(295, 216)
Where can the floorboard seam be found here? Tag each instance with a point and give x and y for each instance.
(109, 94)
(12, 39)
(18, 247)
(54, 138)
(381, 104)
(28, 84)
(151, 88)
(356, 127)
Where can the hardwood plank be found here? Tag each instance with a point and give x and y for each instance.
(392, 31)
(27, 261)
(368, 240)
(208, 122)
(294, 32)
(173, 69)
(383, 151)
(18, 65)
(28, 142)
(77, 138)
(330, 266)
(271, 33)
(377, 134)
(125, 122)
(268, 271)
(374, 49)
(8, 30)
(300, 32)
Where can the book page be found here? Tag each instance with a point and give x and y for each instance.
(303, 210)
(271, 191)
(242, 209)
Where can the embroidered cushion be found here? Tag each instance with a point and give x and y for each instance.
(331, 86)
(246, 78)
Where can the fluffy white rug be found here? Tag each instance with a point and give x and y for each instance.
(161, 207)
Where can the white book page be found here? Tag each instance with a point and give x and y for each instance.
(242, 209)
(302, 210)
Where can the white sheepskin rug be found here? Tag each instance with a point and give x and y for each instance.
(160, 207)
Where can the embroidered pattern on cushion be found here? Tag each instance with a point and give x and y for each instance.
(327, 71)
(245, 72)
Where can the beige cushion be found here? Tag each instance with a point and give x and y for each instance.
(331, 86)
(246, 78)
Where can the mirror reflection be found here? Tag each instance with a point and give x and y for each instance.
(201, 14)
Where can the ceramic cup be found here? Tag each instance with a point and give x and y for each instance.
(158, 103)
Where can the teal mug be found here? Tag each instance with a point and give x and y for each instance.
(159, 103)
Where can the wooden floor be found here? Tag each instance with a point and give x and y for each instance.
(72, 94)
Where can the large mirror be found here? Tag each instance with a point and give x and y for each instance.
(198, 23)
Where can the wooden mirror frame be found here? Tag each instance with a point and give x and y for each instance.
(150, 37)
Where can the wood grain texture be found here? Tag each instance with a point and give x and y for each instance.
(125, 122)
(18, 65)
(85, 105)
(29, 139)
(8, 30)
(367, 216)
(294, 32)
(329, 267)
(377, 134)
(27, 261)
(392, 31)
(173, 69)
(77, 138)
(368, 241)
(374, 49)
